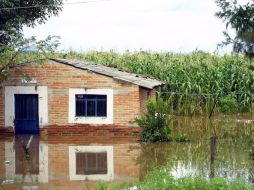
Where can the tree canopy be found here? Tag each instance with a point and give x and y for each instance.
(241, 19)
(14, 15)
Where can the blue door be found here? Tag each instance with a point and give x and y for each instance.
(26, 114)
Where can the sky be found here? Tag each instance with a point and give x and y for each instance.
(156, 25)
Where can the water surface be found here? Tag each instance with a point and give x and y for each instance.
(218, 147)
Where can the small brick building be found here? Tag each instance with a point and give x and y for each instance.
(61, 92)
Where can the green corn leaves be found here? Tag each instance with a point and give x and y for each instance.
(196, 82)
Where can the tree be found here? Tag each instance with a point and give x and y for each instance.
(17, 53)
(241, 19)
(14, 15)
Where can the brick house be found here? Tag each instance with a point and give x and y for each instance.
(62, 92)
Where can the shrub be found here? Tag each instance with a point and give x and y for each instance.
(229, 104)
(155, 122)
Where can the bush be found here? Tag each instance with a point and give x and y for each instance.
(229, 104)
(155, 122)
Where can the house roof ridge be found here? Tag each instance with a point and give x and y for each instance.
(140, 80)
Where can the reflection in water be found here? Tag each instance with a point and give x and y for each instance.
(65, 165)
(27, 160)
(88, 163)
(26, 155)
(217, 148)
(213, 149)
(91, 163)
(194, 159)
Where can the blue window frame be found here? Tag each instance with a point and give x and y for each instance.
(90, 105)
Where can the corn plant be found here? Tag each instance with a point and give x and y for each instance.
(196, 82)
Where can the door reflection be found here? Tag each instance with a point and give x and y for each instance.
(26, 155)
(27, 159)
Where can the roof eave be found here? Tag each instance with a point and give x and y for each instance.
(67, 62)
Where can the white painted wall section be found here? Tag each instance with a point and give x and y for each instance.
(42, 92)
(90, 120)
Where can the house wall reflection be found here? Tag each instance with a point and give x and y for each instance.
(66, 166)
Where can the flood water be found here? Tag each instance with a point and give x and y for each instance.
(217, 148)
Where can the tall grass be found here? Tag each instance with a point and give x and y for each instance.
(198, 82)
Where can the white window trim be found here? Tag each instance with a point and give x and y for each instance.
(42, 92)
(92, 149)
(90, 120)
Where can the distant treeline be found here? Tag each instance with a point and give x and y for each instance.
(197, 83)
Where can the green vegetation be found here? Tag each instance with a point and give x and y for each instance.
(252, 153)
(181, 137)
(15, 49)
(156, 121)
(15, 54)
(161, 179)
(13, 19)
(198, 83)
(228, 104)
(240, 18)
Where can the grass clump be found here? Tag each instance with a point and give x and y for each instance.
(162, 180)
(156, 121)
(181, 137)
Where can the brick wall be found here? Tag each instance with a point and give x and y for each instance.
(124, 161)
(1, 107)
(2, 159)
(145, 94)
(128, 98)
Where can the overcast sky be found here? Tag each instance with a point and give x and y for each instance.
(157, 25)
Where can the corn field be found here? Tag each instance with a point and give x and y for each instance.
(197, 83)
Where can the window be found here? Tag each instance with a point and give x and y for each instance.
(89, 163)
(89, 105)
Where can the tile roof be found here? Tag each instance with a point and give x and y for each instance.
(139, 80)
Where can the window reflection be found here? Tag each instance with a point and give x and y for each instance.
(91, 162)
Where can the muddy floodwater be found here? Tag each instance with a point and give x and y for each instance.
(217, 148)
